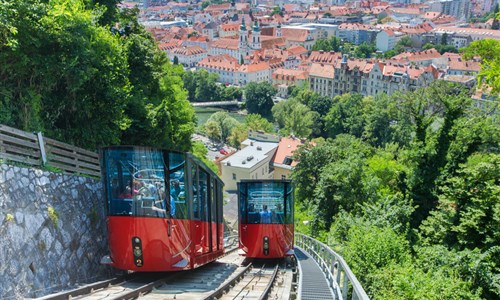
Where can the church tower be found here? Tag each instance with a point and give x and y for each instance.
(256, 45)
(243, 43)
(278, 30)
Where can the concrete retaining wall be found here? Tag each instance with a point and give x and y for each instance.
(52, 232)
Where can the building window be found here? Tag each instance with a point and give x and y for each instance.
(283, 177)
(234, 176)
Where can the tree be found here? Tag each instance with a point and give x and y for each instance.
(202, 86)
(294, 117)
(346, 115)
(469, 208)
(253, 122)
(489, 51)
(175, 60)
(200, 151)
(365, 50)
(444, 39)
(205, 4)
(220, 125)
(59, 69)
(495, 25)
(259, 98)
(277, 11)
(331, 44)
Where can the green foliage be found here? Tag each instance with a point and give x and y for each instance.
(469, 206)
(442, 48)
(219, 126)
(331, 44)
(365, 50)
(203, 87)
(62, 65)
(406, 281)
(294, 117)
(489, 51)
(276, 11)
(253, 122)
(259, 98)
(53, 215)
(303, 113)
(9, 217)
(427, 155)
(346, 115)
(200, 151)
(49, 168)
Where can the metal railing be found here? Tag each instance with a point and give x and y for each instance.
(337, 272)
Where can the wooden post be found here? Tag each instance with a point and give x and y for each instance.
(42, 148)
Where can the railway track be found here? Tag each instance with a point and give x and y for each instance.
(230, 277)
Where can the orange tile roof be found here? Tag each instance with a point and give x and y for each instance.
(286, 148)
(296, 50)
(223, 62)
(295, 34)
(417, 56)
(324, 57)
(193, 50)
(464, 65)
(218, 7)
(230, 27)
(322, 70)
(226, 43)
(255, 67)
(288, 74)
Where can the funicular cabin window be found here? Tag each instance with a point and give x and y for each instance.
(135, 182)
(203, 195)
(196, 188)
(262, 202)
(178, 205)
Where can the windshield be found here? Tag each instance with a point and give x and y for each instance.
(265, 202)
(135, 183)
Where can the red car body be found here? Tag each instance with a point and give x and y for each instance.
(148, 233)
(266, 227)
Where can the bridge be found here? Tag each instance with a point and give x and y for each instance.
(216, 103)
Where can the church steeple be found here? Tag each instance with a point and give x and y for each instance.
(256, 45)
(243, 42)
(243, 27)
(256, 27)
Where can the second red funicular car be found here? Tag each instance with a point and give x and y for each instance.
(266, 217)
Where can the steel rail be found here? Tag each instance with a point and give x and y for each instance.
(267, 290)
(144, 289)
(225, 287)
(89, 288)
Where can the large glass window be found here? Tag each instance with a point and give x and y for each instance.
(264, 202)
(135, 182)
(178, 204)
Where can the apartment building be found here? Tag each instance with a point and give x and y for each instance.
(253, 161)
(224, 65)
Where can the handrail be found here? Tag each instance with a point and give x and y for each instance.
(338, 274)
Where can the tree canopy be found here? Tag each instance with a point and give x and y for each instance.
(259, 98)
(88, 74)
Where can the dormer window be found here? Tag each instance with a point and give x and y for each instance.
(288, 161)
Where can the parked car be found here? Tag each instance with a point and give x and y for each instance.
(223, 151)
